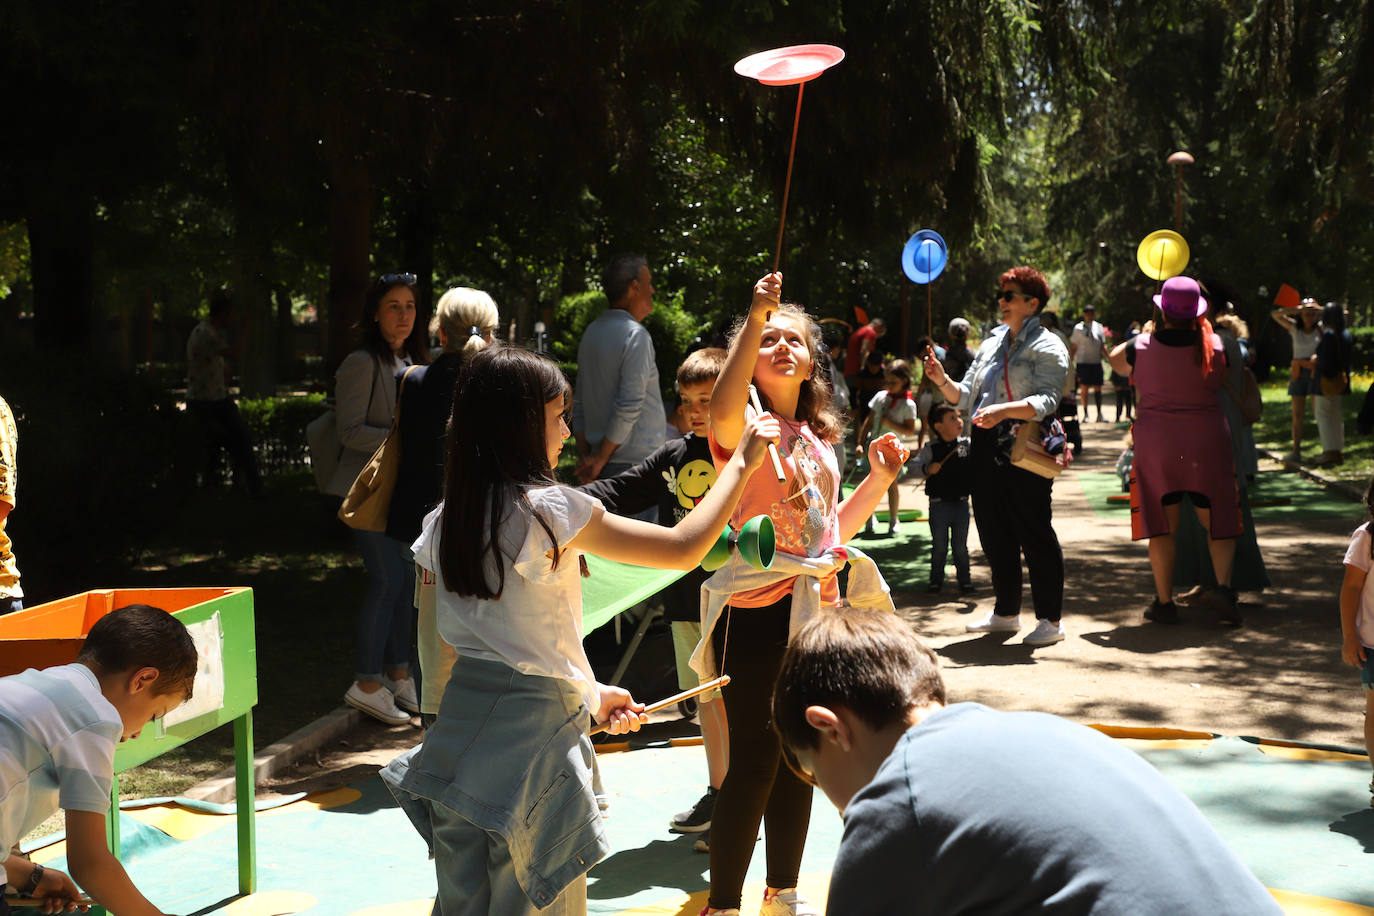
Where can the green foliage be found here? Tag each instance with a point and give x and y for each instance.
(670, 325)
(1362, 351)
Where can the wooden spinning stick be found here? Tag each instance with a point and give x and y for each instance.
(676, 698)
(772, 449)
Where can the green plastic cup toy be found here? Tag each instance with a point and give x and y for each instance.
(756, 542)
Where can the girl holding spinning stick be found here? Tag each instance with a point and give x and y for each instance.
(748, 614)
(501, 788)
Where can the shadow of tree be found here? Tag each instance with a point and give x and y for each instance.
(1280, 675)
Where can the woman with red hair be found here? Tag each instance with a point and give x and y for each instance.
(1018, 374)
(1182, 442)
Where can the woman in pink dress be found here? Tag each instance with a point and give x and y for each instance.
(1182, 442)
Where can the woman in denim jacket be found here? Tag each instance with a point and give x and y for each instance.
(1011, 507)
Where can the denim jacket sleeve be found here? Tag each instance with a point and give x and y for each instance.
(1039, 367)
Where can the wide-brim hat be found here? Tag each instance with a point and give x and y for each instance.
(1181, 299)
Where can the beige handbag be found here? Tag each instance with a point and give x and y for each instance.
(1028, 450)
(1028, 454)
(369, 499)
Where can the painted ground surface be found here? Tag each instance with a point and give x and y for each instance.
(1299, 818)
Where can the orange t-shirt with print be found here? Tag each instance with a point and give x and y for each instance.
(804, 508)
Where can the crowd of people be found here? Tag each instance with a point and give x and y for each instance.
(472, 618)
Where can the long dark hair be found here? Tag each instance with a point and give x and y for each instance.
(496, 452)
(371, 339)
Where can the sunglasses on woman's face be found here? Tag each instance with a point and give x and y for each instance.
(1007, 295)
(397, 279)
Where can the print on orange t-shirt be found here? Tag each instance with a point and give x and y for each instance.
(804, 509)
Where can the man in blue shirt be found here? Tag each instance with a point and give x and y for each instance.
(618, 416)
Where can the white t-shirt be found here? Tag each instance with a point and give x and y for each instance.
(1357, 555)
(1088, 337)
(535, 626)
(898, 409)
(58, 735)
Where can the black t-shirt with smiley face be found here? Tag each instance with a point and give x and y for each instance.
(674, 478)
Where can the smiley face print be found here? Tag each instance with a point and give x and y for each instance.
(694, 481)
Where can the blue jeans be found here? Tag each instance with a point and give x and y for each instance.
(10, 605)
(501, 791)
(386, 620)
(949, 528)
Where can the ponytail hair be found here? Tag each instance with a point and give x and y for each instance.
(467, 317)
(1205, 337)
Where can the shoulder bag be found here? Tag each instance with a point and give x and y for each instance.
(1030, 449)
(369, 499)
(322, 436)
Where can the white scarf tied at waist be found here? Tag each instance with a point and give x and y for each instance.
(867, 590)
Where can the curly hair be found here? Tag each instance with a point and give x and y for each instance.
(814, 405)
(1032, 283)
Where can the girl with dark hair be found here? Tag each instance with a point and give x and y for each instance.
(777, 348)
(365, 394)
(501, 788)
(1333, 380)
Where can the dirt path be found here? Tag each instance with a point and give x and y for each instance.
(1280, 676)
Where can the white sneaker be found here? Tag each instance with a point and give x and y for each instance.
(379, 704)
(788, 903)
(994, 623)
(894, 529)
(1046, 633)
(403, 692)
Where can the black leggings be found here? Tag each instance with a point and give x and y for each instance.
(758, 785)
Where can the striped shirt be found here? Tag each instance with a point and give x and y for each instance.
(57, 742)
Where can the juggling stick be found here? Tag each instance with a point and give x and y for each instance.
(677, 698)
(26, 903)
(783, 67)
(787, 184)
(772, 449)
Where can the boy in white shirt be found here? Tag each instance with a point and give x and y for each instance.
(58, 731)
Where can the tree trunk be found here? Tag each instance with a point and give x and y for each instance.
(61, 246)
(350, 243)
(417, 230)
(286, 334)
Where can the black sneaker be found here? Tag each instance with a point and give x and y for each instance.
(703, 842)
(934, 588)
(696, 819)
(967, 588)
(1162, 612)
(1223, 597)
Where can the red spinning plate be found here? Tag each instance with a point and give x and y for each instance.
(790, 65)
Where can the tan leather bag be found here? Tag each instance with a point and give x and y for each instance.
(369, 499)
(1028, 454)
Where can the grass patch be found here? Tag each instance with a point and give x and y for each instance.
(1274, 429)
